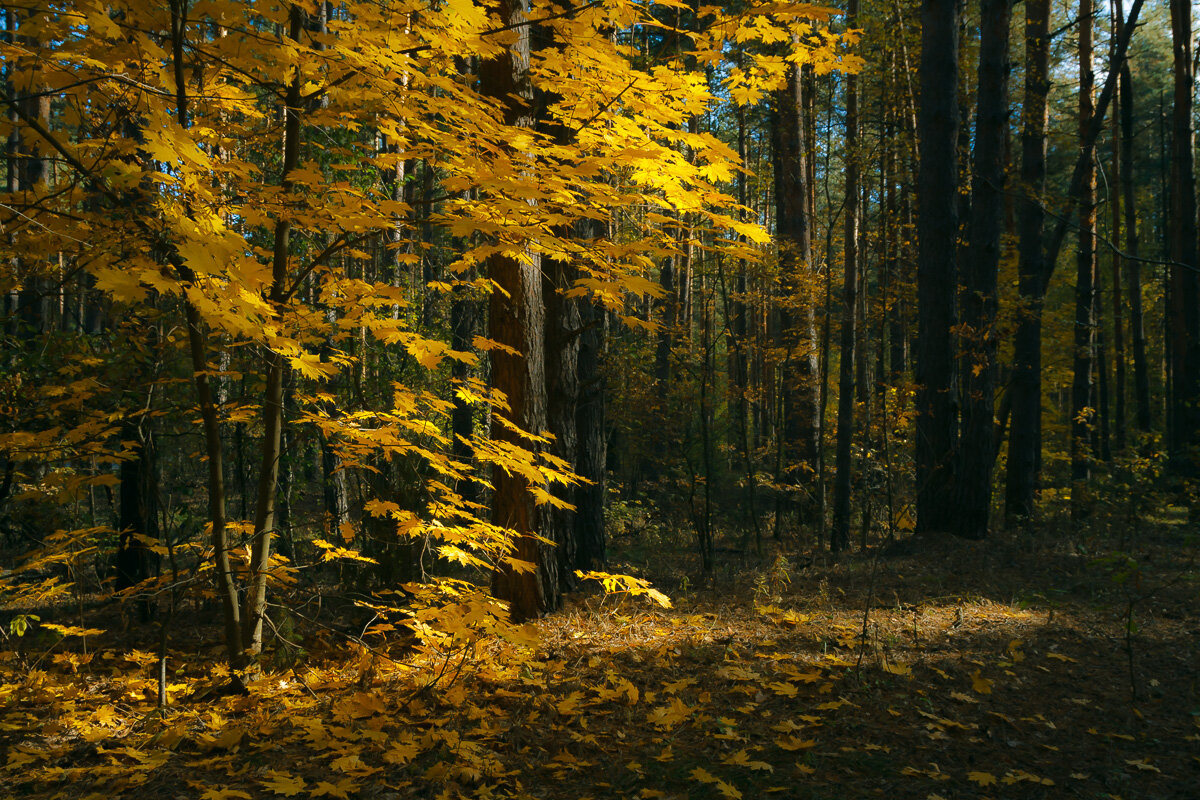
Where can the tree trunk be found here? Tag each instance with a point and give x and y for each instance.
(593, 443)
(1083, 405)
(739, 341)
(666, 331)
(463, 310)
(1116, 202)
(272, 411)
(197, 348)
(517, 321)
(1137, 324)
(937, 234)
(28, 164)
(562, 395)
(1184, 301)
(839, 536)
(138, 509)
(562, 343)
(797, 326)
(982, 269)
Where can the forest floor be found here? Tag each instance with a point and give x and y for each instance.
(1043, 664)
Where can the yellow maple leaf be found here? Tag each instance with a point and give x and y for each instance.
(428, 352)
(742, 759)
(341, 789)
(224, 794)
(728, 791)
(67, 630)
(670, 715)
(310, 366)
(981, 684)
(704, 776)
(982, 778)
(401, 752)
(833, 705)
(570, 704)
(284, 784)
(350, 763)
(792, 743)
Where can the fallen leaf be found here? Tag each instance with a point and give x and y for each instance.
(284, 784)
(792, 743)
(981, 684)
(982, 778)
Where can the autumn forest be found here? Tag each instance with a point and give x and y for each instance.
(608, 399)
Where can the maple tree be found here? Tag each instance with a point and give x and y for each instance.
(222, 187)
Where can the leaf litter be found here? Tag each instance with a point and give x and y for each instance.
(999, 670)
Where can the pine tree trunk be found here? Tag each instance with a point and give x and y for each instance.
(937, 235)
(797, 325)
(839, 537)
(1137, 324)
(1024, 442)
(517, 321)
(1083, 413)
(982, 269)
(1116, 201)
(1184, 301)
(562, 394)
(593, 441)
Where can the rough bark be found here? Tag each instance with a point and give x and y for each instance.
(562, 397)
(517, 321)
(1083, 412)
(1137, 325)
(982, 263)
(937, 233)
(797, 325)
(1184, 300)
(593, 443)
(839, 536)
(1117, 203)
